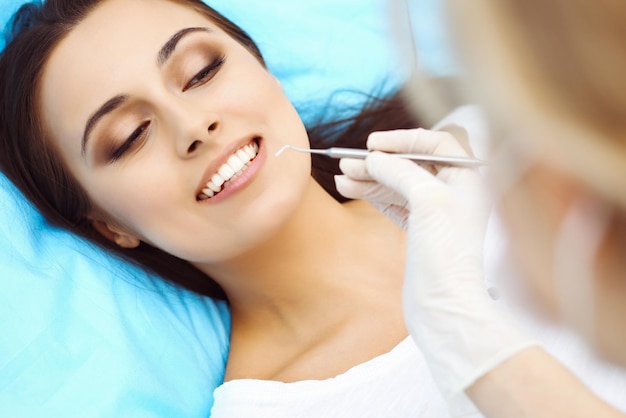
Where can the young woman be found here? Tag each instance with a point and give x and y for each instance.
(155, 137)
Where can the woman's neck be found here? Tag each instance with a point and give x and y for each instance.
(326, 256)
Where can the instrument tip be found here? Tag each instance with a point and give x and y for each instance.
(280, 151)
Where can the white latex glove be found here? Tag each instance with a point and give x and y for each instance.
(461, 331)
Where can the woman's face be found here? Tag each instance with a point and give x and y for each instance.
(152, 108)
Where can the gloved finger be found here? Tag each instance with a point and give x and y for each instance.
(372, 191)
(398, 214)
(428, 142)
(419, 141)
(355, 169)
(403, 176)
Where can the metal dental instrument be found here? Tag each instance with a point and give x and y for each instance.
(335, 152)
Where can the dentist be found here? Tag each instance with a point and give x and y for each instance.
(549, 75)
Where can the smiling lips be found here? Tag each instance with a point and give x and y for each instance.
(234, 167)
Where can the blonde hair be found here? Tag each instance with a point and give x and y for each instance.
(577, 47)
(569, 59)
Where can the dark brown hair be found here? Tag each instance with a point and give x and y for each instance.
(31, 163)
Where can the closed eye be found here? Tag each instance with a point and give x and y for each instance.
(205, 74)
(137, 134)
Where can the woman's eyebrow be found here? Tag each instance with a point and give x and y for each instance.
(168, 48)
(164, 54)
(105, 109)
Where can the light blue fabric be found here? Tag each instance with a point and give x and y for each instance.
(82, 334)
(7, 9)
(319, 47)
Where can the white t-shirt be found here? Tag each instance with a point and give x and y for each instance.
(396, 384)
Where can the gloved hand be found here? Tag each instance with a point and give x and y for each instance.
(461, 331)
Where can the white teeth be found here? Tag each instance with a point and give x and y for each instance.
(213, 187)
(235, 163)
(250, 151)
(242, 155)
(226, 172)
(217, 180)
(233, 168)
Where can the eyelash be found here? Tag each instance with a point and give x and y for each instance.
(205, 74)
(128, 144)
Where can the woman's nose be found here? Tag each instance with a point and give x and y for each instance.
(200, 136)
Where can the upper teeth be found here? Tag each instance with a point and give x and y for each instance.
(235, 165)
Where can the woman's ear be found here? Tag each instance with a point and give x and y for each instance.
(115, 234)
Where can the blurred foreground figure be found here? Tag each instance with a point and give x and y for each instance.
(549, 77)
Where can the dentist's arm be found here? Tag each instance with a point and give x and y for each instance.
(469, 343)
(534, 384)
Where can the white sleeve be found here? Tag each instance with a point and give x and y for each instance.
(473, 120)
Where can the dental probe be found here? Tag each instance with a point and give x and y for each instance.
(335, 152)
